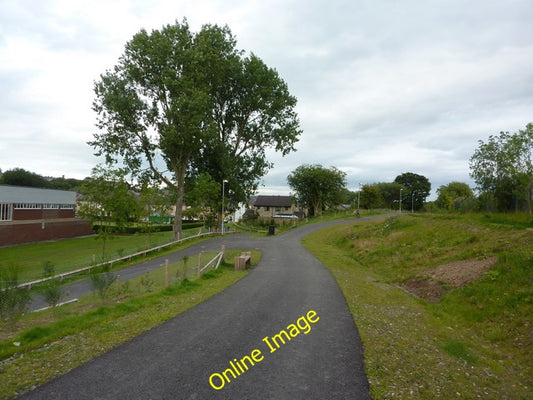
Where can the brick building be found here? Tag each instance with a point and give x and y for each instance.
(34, 214)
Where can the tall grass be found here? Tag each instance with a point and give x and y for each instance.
(477, 342)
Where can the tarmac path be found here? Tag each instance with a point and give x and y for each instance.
(232, 345)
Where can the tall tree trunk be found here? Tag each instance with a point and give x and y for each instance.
(177, 220)
(316, 208)
(180, 179)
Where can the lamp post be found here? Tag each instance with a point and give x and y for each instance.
(401, 200)
(222, 215)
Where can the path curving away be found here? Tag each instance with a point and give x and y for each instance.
(282, 332)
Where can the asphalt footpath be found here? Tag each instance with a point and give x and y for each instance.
(282, 332)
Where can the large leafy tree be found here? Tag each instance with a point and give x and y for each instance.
(317, 187)
(452, 194)
(381, 195)
(252, 111)
(370, 197)
(173, 104)
(417, 188)
(390, 193)
(503, 166)
(489, 166)
(153, 108)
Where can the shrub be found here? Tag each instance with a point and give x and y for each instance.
(13, 299)
(147, 282)
(52, 288)
(101, 282)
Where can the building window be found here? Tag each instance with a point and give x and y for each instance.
(50, 206)
(67, 206)
(27, 206)
(6, 212)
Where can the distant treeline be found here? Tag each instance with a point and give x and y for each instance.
(21, 177)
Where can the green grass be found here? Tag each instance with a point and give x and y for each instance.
(477, 342)
(51, 342)
(459, 350)
(501, 220)
(70, 254)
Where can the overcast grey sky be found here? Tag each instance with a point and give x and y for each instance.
(383, 86)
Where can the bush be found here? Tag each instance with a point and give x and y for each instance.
(101, 282)
(52, 288)
(13, 300)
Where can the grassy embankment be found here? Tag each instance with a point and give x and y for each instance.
(70, 254)
(476, 342)
(48, 343)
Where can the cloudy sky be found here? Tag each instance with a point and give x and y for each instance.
(383, 86)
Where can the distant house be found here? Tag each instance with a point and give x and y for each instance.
(33, 214)
(279, 208)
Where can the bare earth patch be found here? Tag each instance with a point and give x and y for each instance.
(433, 283)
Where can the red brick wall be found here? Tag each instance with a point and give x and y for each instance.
(21, 214)
(28, 214)
(11, 234)
(57, 213)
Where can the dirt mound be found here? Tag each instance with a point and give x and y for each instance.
(434, 283)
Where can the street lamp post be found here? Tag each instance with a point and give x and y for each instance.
(401, 200)
(222, 215)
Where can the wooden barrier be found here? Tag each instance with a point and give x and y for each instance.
(243, 260)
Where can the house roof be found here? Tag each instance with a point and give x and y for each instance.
(273, 201)
(19, 194)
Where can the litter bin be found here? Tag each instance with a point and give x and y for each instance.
(271, 229)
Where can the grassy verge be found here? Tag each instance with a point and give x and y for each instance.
(70, 254)
(477, 342)
(51, 342)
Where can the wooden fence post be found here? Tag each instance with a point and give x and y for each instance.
(199, 264)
